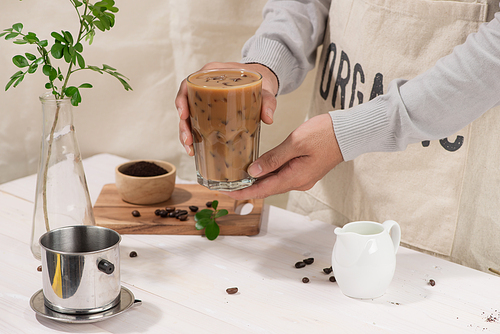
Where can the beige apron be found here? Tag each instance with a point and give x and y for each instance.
(444, 193)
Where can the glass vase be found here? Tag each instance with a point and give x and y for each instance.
(62, 197)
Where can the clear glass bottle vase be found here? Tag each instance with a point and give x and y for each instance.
(62, 197)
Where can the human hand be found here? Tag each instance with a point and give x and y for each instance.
(308, 153)
(269, 91)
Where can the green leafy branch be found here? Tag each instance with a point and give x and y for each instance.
(67, 48)
(205, 219)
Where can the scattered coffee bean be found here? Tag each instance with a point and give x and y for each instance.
(183, 217)
(432, 282)
(328, 270)
(332, 279)
(39, 268)
(157, 212)
(232, 291)
(309, 260)
(300, 264)
(305, 280)
(136, 213)
(193, 208)
(171, 214)
(163, 214)
(180, 212)
(208, 204)
(133, 254)
(170, 209)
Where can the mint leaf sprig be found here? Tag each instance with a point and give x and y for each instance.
(205, 219)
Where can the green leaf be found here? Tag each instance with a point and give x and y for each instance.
(77, 3)
(205, 213)
(88, 18)
(79, 47)
(32, 69)
(201, 224)
(46, 69)
(215, 204)
(3, 34)
(12, 35)
(70, 91)
(111, 19)
(58, 37)
(31, 38)
(57, 51)
(53, 74)
(20, 41)
(68, 37)
(76, 98)
(17, 27)
(94, 68)
(81, 61)
(30, 56)
(20, 61)
(11, 81)
(221, 213)
(85, 85)
(44, 43)
(212, 231)
(107, 67)
(40, 61)
(48, 85)
(15, 75)
(18, 81)
(125, 84)
(98, 25)
(67, 54)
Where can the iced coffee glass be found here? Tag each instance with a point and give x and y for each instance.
(225, 106)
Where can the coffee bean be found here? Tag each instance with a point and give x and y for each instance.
(193, 208)
(305, 280)
(39, 268)
(171, 214)
(181, 212)
(432, 282)
(170, 209)
(136, 213)
(300, 264)
(232, 291)
(208, 204)
(133, 254)
(332, 279)
(309, 260)
(157, 212)
(163, 214)
(328, 270)
(183, 217)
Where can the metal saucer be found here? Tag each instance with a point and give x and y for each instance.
(126, 301)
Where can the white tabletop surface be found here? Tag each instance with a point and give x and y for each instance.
(182, 280)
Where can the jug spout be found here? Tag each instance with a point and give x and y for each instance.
(348, 247)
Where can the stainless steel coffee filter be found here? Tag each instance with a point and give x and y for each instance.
(81, 269)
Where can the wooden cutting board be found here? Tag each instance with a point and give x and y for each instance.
(112, 212)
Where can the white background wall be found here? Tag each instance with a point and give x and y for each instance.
(155, 43)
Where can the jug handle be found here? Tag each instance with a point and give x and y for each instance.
(394, 231)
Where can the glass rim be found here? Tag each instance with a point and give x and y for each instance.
(240, 70)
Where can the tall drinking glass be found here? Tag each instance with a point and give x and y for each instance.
(225, 106)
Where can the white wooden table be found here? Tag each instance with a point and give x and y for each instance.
(182, 280)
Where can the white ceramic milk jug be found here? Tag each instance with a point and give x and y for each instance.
(364, 257)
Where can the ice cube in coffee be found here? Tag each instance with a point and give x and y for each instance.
(225, 106)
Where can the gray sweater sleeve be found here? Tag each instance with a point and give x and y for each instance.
(287, 40)
(436, 104)
(457, 90)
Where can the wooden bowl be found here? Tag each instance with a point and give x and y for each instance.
(145, 190)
